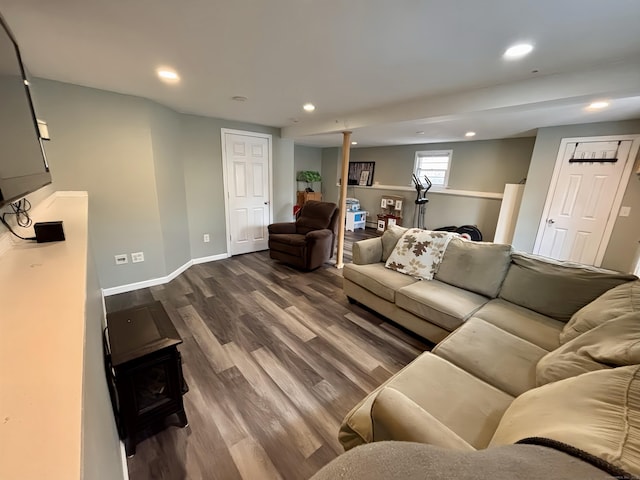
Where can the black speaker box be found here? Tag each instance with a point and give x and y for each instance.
(49, 231)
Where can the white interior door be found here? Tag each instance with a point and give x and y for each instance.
(247, 159)
(582, 202)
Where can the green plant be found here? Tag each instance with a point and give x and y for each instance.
(308, 176)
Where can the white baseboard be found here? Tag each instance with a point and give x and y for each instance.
(152, 282)
(210, 258)
(125, 468)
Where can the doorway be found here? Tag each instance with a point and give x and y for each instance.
(589, 180)
(247, 164)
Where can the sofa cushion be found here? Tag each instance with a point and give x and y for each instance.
(615, 343)
(469, 407)
(417, 461)
(389, 239)
(397, 417)
(440, 303)
(622, 299)
(556, 289)
(377, 279)
(598, 412)
(419, 252)
(291, 244)
(493, 355)
(522, 322)
(476, 266)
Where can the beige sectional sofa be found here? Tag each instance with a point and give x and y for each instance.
(538, 349)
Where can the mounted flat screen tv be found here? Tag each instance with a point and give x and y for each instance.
(23, 165)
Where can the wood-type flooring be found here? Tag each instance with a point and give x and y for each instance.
(274, 359)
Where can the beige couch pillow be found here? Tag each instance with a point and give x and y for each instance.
(419, 252)
(479, 267)
(598, 412)
(389, 239)
(622, 299)
(556, 289)
(615, 343)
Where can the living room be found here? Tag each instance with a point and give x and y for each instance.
(150, 154)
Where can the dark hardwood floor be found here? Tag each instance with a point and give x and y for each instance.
(274, 359)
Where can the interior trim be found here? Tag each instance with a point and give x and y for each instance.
(435, 190)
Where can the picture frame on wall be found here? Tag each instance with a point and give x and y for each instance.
(361, 173)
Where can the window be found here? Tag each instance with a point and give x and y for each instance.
(435, 165)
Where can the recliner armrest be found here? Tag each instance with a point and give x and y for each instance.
(285, 227)
(319, 235)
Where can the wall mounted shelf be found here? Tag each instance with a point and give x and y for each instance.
(434, 190)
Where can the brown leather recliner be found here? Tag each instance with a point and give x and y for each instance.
(309, 241)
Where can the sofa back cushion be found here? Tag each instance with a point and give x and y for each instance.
(556, 289)
(598, 412)
(622, 299)
(389, 239)
(479, 267)
(615, 343)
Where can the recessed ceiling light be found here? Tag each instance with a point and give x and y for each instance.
(354, 143)
(420, 132)
(518, 51)
(239, 98)
(470, 134)
(309, 107)
(168, 75)
(598, 105)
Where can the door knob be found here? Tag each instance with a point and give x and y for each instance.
(266, 203)
(551, 221)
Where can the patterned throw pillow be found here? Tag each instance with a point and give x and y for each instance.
(419, 252)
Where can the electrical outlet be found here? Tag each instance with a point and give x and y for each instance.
(137, 257)
(122, 259)
(625, 211)
(206, 238)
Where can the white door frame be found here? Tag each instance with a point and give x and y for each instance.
(225, 176)
(617, 202)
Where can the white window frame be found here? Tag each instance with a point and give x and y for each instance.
(434, 153)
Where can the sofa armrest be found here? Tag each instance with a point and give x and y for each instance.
(397, 417)
(367, 251)
(286, 227)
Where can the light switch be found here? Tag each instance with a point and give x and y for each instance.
(625, 211)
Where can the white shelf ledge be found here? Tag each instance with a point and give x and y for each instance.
(434, 190)
(43, 298)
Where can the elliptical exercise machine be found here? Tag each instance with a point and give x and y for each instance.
(421, 200)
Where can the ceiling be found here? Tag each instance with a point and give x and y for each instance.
(383, 69)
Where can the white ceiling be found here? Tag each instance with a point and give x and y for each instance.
(384, 69)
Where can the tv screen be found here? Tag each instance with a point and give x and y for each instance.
(23, 167)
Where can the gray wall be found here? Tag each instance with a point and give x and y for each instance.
(154, 176)
(284, 184)
(101, 142)
(101, 459)
(170, 187)
(483, 166)
(307, 158)
(201, 153)
(623, 244)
